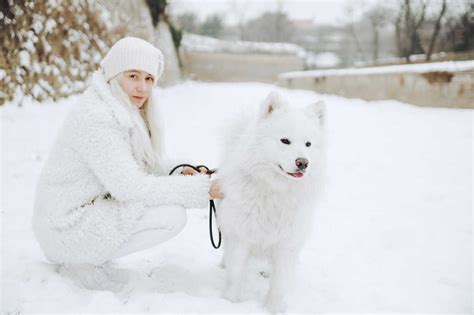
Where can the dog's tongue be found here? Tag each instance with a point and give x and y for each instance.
(297, 174)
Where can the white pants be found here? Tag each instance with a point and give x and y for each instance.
(156, 226)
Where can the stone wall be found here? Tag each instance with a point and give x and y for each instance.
(432, 89)
(238, 67)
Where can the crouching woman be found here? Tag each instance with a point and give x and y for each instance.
(103, 193)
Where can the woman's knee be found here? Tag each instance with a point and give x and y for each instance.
(157, 225)
(177, 218)
(163, 217)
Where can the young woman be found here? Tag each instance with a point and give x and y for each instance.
(104, 191)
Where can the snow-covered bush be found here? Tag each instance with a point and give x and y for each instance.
(49, 48)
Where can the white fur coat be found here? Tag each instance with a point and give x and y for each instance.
(93, 157)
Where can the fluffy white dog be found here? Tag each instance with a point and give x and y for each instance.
(271, 176)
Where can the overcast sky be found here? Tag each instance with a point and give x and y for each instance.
(321, 11)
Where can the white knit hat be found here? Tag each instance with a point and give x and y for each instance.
(131, 53)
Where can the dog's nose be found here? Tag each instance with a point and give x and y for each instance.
(301, 163)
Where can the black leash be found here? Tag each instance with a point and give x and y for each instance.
(212, 206)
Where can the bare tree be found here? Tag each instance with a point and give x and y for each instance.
(407, 25)
(351, 29)
(212, 26)
(462, 30)
(378, 17)
(270, 27)
(240, 10)
(188, 22)
(436, 31)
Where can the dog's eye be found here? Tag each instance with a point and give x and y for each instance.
(285, 141)
(308, 144)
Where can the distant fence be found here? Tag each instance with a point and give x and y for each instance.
(435, 88)
(214, 66)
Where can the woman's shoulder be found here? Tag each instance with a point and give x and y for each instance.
(98, 98)
(89, 107)
(92, 107)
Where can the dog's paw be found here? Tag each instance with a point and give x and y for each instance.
(275, 306)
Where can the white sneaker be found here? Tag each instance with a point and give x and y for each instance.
(90, 277)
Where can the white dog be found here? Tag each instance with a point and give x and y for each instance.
(270, 177)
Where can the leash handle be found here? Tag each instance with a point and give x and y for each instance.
(212, 206)
(196, 168)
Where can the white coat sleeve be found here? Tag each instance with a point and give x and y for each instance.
(107, 151)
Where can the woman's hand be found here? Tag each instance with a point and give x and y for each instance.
(215, 190)
(190, 171)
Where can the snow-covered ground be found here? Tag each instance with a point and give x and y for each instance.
(393, 234)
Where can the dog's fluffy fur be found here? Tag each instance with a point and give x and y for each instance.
(268, 204)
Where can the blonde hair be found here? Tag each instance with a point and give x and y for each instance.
(147, 133)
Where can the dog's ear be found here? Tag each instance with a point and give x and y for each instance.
(317, 111)
(273, 102)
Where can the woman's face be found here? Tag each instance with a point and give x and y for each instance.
(137, 85)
